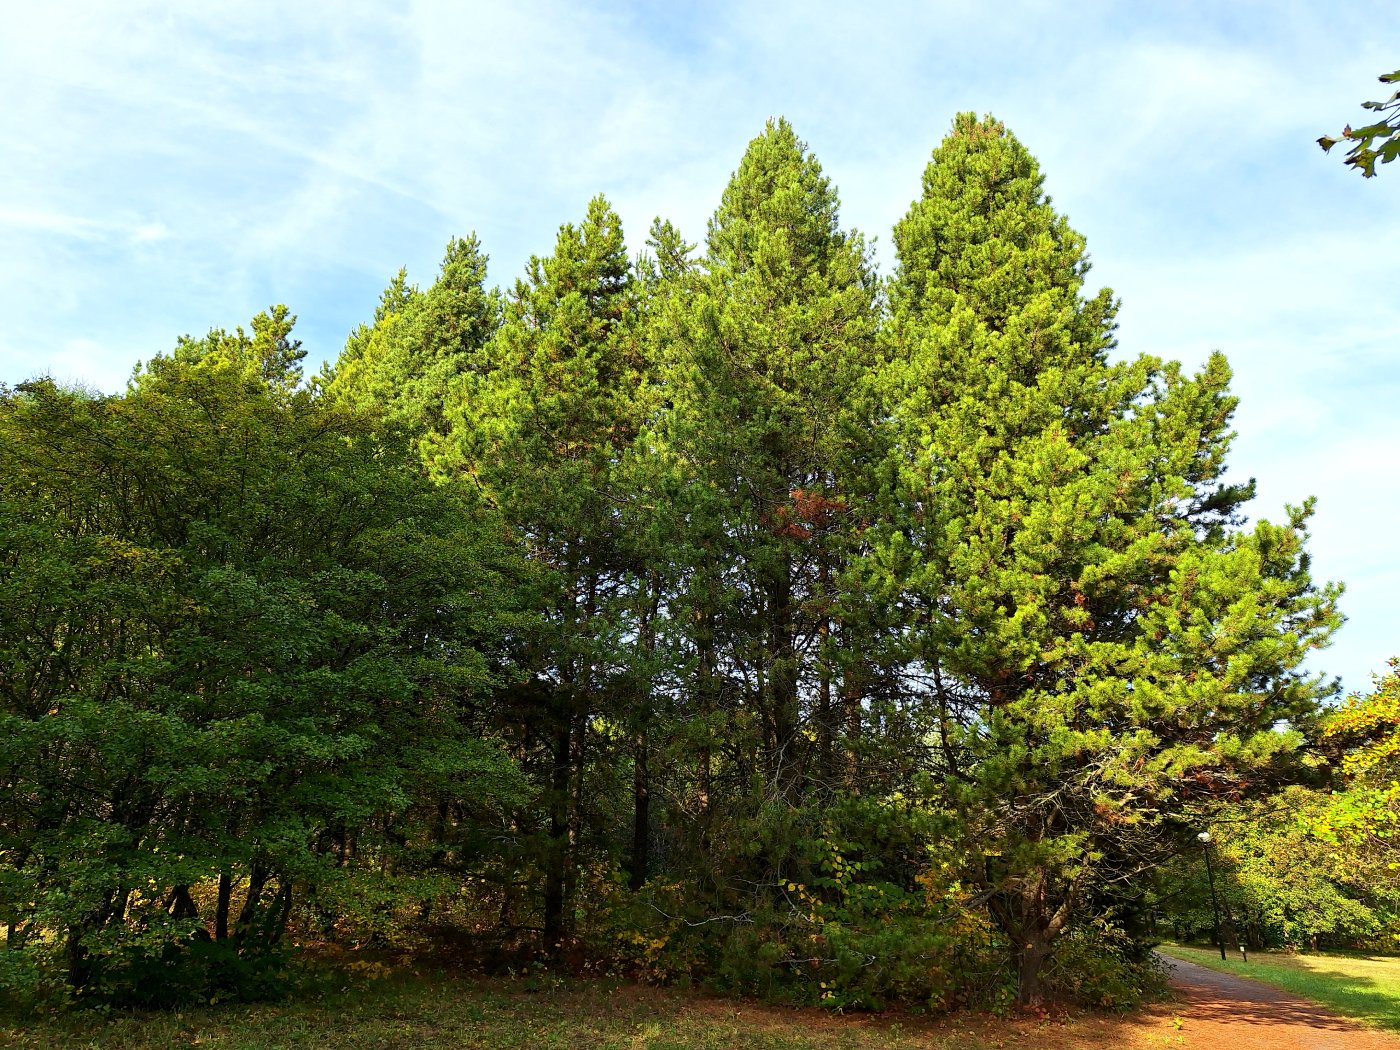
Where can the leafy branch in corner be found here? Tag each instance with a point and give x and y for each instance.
(1364, 154)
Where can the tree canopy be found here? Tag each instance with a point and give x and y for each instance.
(724, 613)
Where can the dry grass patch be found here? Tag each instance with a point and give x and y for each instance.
(438, 1011)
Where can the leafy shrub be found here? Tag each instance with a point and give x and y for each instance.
(26, 983)
(196, 970)
(854, 924)
(1097, 965)
(175, 963)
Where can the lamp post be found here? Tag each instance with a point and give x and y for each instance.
(1204, 839)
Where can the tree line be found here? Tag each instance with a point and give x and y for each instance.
(727, 613)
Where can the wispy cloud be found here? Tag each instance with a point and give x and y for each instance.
(87, 229)
(167, 167)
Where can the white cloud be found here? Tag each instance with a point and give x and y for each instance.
(168, 167)
(76, 226)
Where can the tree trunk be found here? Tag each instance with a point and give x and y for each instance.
(278, 912)
(1024, 910)
(79, 969)
(257, 881)
(641, 814)
(221, 905)
(578, 738)
(782, 685)
(1232, 930)
(826, 729)
(705, 695)
(850, 700)
(181, 905)
(558, 832)
(641, 774)
(1030, 958)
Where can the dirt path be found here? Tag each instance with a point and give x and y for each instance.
(1223, 1011)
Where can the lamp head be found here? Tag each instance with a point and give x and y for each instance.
(1204, 838)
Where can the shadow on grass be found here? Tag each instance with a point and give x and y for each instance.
(1349, 993)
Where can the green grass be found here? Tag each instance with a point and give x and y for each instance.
(1357, 984)
(406, 1011)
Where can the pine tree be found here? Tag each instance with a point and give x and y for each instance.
(403, 365)
(1106, 649)
(269, 354)
(540, 428)
(763, 354)
(652, 516)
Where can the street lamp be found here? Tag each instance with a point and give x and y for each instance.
(1204, 839)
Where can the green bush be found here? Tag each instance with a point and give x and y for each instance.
(147, 969)
(1098, 966)
(843, 930)
(195, 970)
(26, 983)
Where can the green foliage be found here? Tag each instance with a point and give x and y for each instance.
(542, 429)
(403, 365)
(1099, 966)
(1385, 129)
(727, 617)
(1308, 868)
(168, 965)
(29, 983)
(212, 670)
(843, 927)
(1107, 652)
(1366, 815)
(762, 450)
(1283, 880)
(269, 356)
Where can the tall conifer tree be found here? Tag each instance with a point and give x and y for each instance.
(765, 352)
(541, 428)
(1107, 649)
(403, 365)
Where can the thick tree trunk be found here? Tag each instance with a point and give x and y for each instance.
(1032, 922)
(79, 970)
(1029, 961)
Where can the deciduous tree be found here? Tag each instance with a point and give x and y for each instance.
(244, 638)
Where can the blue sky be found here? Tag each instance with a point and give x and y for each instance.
(167, 168)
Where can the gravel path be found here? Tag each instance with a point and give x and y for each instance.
(1232, 1013)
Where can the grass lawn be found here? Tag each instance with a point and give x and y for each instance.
(1357, 984)
(437, 1011)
